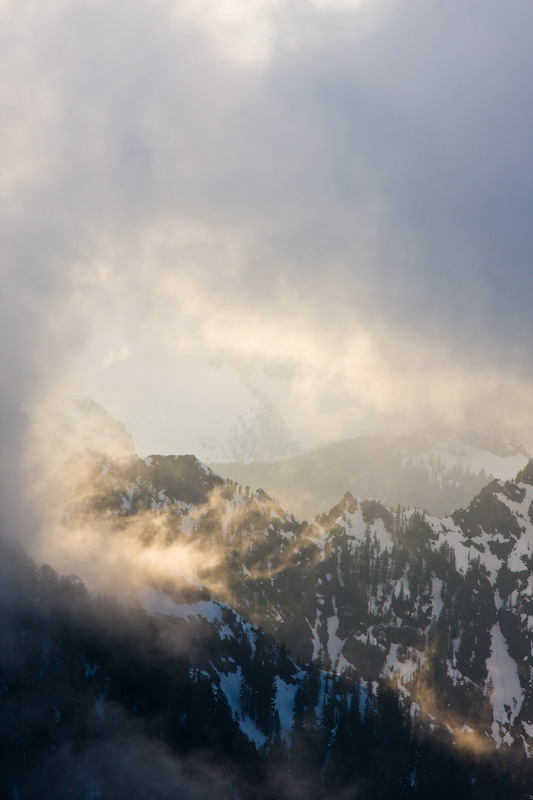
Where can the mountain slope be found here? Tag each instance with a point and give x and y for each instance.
(442, 607)
(438, 469)
(102, 700)
(422, 629)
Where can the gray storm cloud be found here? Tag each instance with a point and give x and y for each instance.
(337, 191)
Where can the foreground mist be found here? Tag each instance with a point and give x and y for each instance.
(249, 653)
(103, 700)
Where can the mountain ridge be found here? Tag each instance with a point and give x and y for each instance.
(387, 592)
(376, 648)
(437, 468)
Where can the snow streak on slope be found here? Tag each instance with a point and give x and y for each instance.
(229, 677)
(507, 694)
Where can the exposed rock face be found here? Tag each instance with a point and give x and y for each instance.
(441, 606)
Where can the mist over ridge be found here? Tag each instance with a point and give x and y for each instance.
(231, 606)
(342, 219)
(438, 469)
(246, 228)
(391, 593)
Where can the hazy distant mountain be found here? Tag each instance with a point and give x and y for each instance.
(261, 435)
(77, 424)
(96, 429)
(437, 469)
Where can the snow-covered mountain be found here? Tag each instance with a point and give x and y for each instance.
(373, 651)
(438, 469)
(440, 606)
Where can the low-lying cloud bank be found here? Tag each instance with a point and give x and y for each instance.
(331, 199)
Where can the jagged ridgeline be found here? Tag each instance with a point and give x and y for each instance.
(440, 607)
(439, 469)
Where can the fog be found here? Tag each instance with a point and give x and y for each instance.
(323, 204)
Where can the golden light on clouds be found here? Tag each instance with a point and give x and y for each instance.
(257, 194)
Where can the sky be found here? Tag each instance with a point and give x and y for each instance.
(314, 209)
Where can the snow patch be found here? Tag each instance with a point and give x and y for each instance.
(230, 685)
(507, 695)
(382, 535)
(316, 639)
(335, 644)
(404, 666)
(285, 704)
(437, 603)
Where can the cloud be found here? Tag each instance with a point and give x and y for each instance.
(116, 356)
(338, 192)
